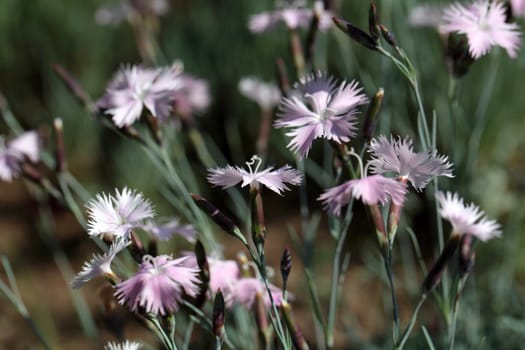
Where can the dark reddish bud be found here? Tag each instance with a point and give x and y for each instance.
(355, 33)
(286, 266)
(434, 276)
(388, 36)
(373, 22)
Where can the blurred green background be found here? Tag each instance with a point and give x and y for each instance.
(212, 40)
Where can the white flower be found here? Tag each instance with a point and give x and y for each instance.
(266, 95)
(275, 180)
(127, 345)
(117, 215)
(99, 264)
(466, 219)
(12, 154)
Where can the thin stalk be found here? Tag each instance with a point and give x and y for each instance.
(395, 313)
(455, 312)
(162, 334)
(410, 325)
(189, 332)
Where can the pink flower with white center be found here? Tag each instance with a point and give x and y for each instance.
(275, 180)
(244, 290)
(484, 24)
(192, 96)
(323, 109)
(135, 88)
(14, 152)
(266, 95)
(518, 8)
(159, 285)
(127, 345)
(167, 228)
(371, 190)
(119, 214)
(466, 219)
(223, 275)
(398, 156)
(292, 18)
(100, 265)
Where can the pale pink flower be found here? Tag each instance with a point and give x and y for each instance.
(223, 274)
(166, 228)
(518, 8)
(371, 190)
(398, 156)
(14, 152)
(159, 285)
(117, 214)
(484, 24)
(425, 16)
(266, 95)
(466, 219)
(292, 18)
(126, 345)
(244, 290)
(135, 88)
(99, 265)
(192, 96)
(275, 180)
(323, 109)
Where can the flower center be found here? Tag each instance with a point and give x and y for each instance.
(254, 164)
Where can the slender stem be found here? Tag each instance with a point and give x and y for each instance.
(170, 345)
(189, 332)
(410, 325)
(455, 312)
(395, 314)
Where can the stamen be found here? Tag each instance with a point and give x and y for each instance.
(362, 170)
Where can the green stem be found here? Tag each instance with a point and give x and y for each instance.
(410, 325)
(395, 314)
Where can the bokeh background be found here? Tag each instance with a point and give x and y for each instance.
(212, 40)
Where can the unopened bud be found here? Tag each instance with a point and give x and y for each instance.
(218, 217)
(204, 274)
(286, 266)
(355, 33)
(137, 250)
(218, 316)
(282, 76)
(388, 36)
(372, 115)
(60, 158)
(258, 225)
(373, 22)
(295, 331)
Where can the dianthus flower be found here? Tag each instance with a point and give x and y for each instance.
(518, 8)
(119, 214)
(13, 153)
(192, 96)
(399, 157)
(245, 289)
(159, 285)
(323, 109)
(266, 95)
(484, 24)
(292, 17)
(275, 180)
(127, 345)
(169, 227)
(99, 265)
(223, 275)
(135, 88)
(466, 219)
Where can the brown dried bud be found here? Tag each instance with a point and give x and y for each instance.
(388, 36)
(286, 266)
(434, 276)
(467, 255)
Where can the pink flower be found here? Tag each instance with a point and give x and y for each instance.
(115, 13)
(371, 190)
(323, 109)
(484, 24)
(244, 290)
(293, 18)
(266, 95)
(399, 157)
(466, 219)
(518, 7)
(159, 285)
(135, 88)
(223, 275)
(13, 153)
(275, 180)
(164, 230)
(117, 215)
(192, 96)
(100, 264)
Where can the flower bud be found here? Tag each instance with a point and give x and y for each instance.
(296, 334)
(372, 114)
(286, 266)
(74, 86)
(388, 36)
(373, 22)
(218, 316)
(218, 217)
(204, 274)
(355, 33)
(467, 255)
(60, 159)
